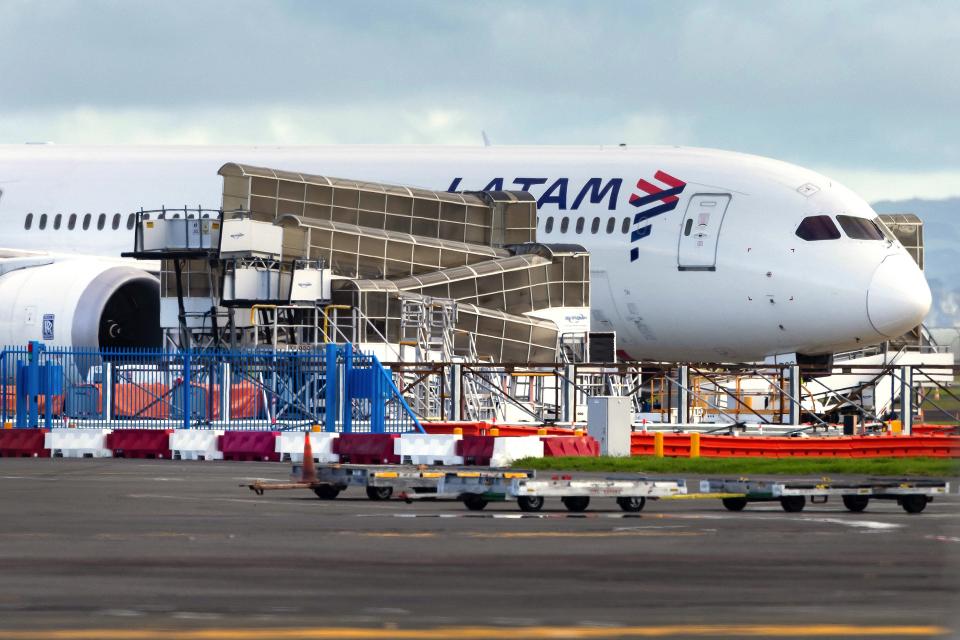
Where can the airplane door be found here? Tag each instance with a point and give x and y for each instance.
(697, 250)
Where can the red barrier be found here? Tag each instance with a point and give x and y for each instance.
(366, 448)
(249, 446)
(22, 443)
(476, 449)
(715, 446)
(936, 430)
(561, 446)
(140, 443)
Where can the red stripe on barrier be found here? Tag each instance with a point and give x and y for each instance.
(249, 445)
(366, 448)
(22, 443)
(140, 443)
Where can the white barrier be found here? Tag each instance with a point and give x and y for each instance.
(77, 443)
(290, 446)
(506, 450)
(196, 444)
(422, 448)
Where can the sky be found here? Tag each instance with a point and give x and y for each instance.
(865, 92)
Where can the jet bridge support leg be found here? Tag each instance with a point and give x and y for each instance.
(456, 392)
(906, 400)
(683, 394)
(793, 395)
(569, 393)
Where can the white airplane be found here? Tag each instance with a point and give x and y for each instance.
(696, 255)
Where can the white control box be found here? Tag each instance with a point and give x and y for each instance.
(253, 238)
(609, 422)
(310, 285)
(179, 234)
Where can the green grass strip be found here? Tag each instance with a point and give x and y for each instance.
(899, 467)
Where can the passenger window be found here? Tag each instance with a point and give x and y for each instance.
(818, 228)
(595, 226)
(72, 222)
(579, 225)
(564, 225)
(43, 221)
(101, 221)
(130, 221)
(86, 221)
(57, 219)
(28, 222)
(860, 228)
(625, 227)
(688, 227)
(549, 226)
(116, 222)
(611, 223)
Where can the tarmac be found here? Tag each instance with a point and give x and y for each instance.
(177, 550)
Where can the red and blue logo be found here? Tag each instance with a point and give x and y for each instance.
(656, 201)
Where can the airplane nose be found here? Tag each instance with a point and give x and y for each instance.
(898, 298)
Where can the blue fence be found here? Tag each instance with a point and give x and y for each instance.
(337, 388)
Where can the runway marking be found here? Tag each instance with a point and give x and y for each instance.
(616, 533)
(943, 538)
(858, 524)
(486, 632)
(389, 534)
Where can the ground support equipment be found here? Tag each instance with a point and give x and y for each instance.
(912, 495)
(379, 481)
(476, 489)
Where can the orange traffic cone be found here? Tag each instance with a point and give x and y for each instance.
(309, 470)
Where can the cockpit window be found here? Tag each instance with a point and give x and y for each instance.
(860, 228)
(818, 228)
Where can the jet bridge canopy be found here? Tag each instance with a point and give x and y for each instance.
(489, 217)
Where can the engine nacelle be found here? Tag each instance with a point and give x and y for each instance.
(80, 303)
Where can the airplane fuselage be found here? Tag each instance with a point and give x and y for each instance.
(695, 254)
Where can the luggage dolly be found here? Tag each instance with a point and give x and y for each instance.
(476, 489)
(379, 481)
(912, 495)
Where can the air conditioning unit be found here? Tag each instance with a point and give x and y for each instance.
(309, 284)
(245, 237)
(179, 234)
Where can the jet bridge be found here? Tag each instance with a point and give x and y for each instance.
(295, 259)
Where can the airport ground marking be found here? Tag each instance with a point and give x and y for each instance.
(488, 632)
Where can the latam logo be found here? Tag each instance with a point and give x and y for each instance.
(656, 201)
(561, 193)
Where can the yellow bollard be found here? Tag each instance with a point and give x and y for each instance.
(541, 432)
(578, 433)
(316, 428)
(896, 427)
(694, 445)
(458, 431)
(8, 425)
(658, 444)
(493, 431)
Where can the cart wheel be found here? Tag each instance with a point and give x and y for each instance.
(474, 502)
(379, 493)
(326, 491)
(530, 503)
(632, 504)
(855, 503)
(793, 504)
(914, 503)
(576, 503)
(734, 504)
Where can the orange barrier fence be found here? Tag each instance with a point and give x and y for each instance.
(483, 428)
(713, 446)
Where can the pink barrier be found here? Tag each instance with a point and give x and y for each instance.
(366, 448)
(249, 445)
(22, 443)
(140, 443)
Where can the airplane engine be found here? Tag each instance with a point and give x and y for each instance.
(80, 303)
